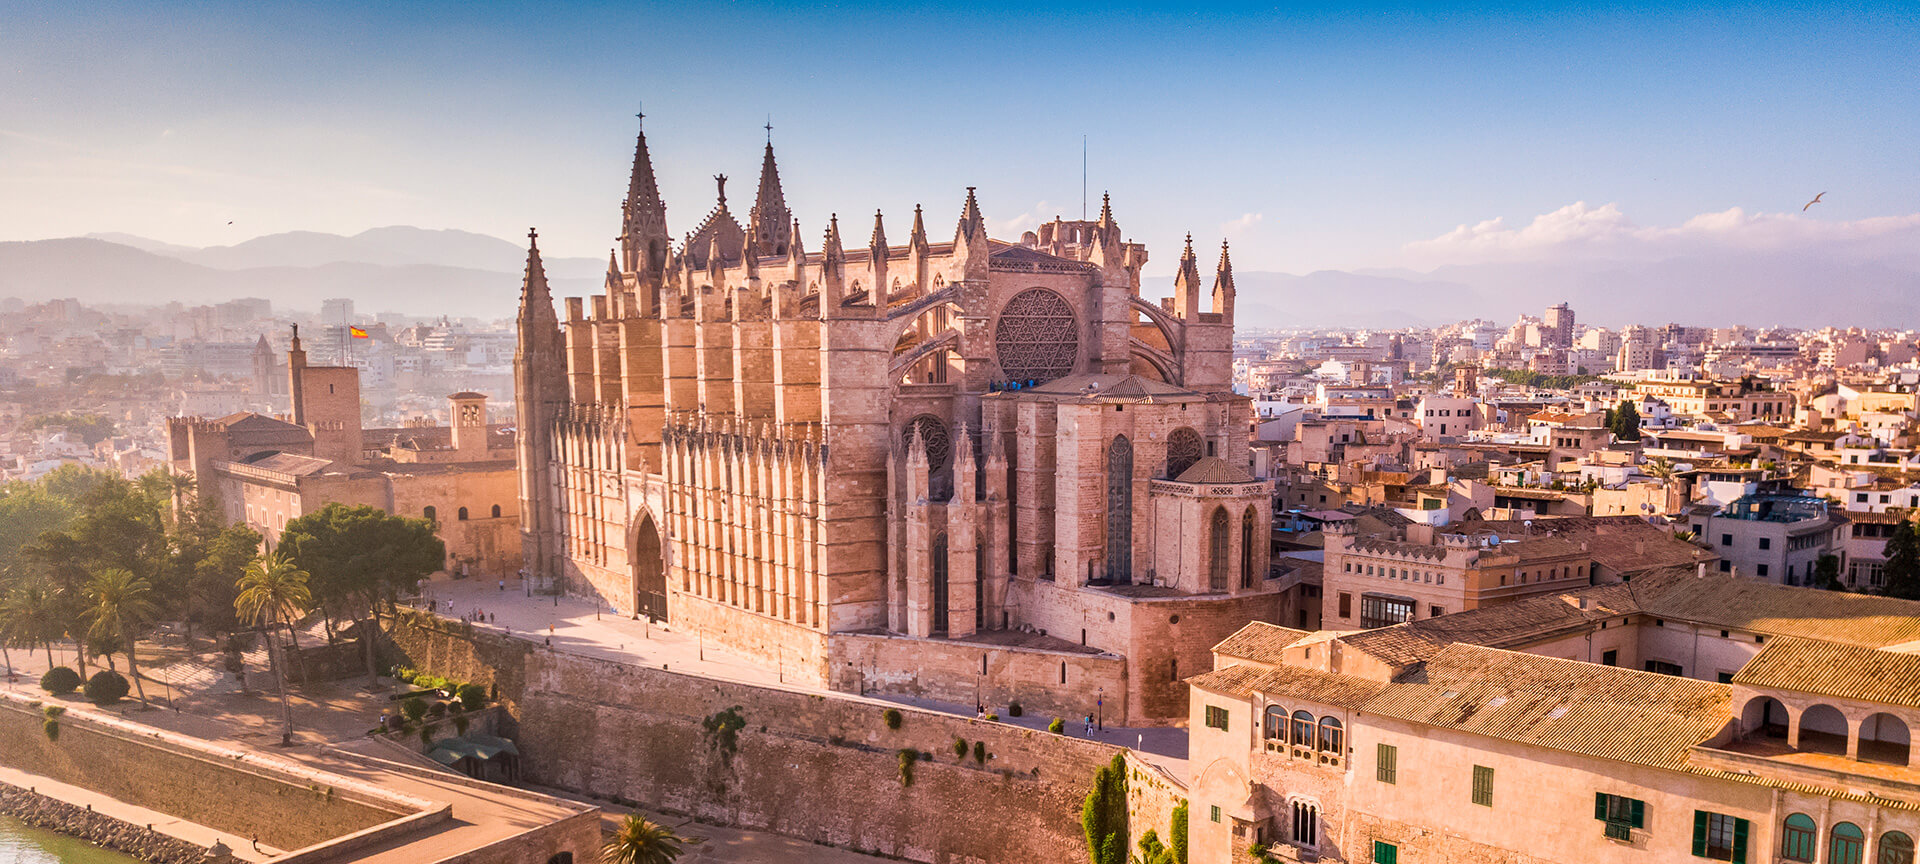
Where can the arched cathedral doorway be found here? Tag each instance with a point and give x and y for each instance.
(649, 571)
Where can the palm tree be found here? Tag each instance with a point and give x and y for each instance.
(120, 606)
(273, 592)
(28, 619)
(640, 841)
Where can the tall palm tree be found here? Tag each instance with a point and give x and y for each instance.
(120, 606)
(640, 841)
(273, 592)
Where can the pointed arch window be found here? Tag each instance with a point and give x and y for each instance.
(1221, 541)
(1246, 548)
(1120, 511)
(940, 582)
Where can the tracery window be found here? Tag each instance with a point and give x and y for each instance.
(1183, 449)
(1217, 556)
(1120, 511)
(1037, 337)
(933, 436)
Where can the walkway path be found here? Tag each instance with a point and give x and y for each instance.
(575, 625)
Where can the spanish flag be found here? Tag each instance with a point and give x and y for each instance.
(356, 332)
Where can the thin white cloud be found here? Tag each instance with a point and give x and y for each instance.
(1580, 231)
(1011, 228)
(1242, 225)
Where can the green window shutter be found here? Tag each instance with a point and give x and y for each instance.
(1639, 813)
(1739, 841)
(1700, 833)
(1385, 769)
(1385, 853)
(1600, 806)
(1483, 785)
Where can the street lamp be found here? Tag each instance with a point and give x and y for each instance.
(1100, 705)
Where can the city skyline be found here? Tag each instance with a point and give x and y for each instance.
(1348, 138)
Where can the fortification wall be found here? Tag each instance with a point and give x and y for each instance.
(227, 795)
(822, 768)
(1046, 683)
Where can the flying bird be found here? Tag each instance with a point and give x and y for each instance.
(1816, 200)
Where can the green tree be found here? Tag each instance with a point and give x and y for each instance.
(1103, 815)
(273, 592)
(641, 841)
(1177, 833)
(1826, 572)
(1626, 422)
(359, 557)
(28, 619)
(121, 607)
(1902, 569)
(205, 557)
(26, 512)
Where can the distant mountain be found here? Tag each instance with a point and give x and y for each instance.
(422, 271)
(98, 271)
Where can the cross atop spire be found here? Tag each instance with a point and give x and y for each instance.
(769, 130)
(643, 219)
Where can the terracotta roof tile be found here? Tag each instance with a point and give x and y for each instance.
(1559, 704)
(1259, 642)
(1831, 669)
(1213, 469)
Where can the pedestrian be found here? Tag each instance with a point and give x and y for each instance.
(503, 586)
(1089, 725)
(549, 641)
(490, 618)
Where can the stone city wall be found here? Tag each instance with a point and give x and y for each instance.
(1151, 796)
(1046, 683)
(200, 787)
(822, 768)
(99, 829)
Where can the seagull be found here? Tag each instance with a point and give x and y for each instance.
(1816, 200)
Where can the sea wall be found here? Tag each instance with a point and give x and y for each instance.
(99, 829)
(196, 783)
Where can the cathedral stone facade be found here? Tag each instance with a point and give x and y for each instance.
(966, 469)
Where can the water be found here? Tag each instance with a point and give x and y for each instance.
(21, 843)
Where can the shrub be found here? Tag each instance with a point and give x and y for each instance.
(993, 718)
(60, 681)
(1013, 709)
(51, 725)
(473, 697)
(960, 747)
(404, 673)
(414, 709)
(106, 687)
(980, 752)
(907, 758)
(892, 716)
(1057, 727)
(436, 709)
(1177, 834)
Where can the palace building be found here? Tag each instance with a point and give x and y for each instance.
(956, 466)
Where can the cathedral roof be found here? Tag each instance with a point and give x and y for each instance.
(1116, 386)
(1213, 469)
(247, 421)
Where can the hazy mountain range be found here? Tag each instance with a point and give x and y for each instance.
(428, 272)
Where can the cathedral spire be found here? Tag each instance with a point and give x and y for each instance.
(770, 220)
(1223, 285)
(971, 222)
(536, 302)
(1186, 285)
(918, 239)
(643, 224)
(877, 244)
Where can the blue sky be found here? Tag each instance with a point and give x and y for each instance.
(1314, 136)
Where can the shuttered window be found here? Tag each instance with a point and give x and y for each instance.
(1386, 763)
(1483, 785)
(1385, 853)
(1620, 813)
(1719, 837)
(1217, 718)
